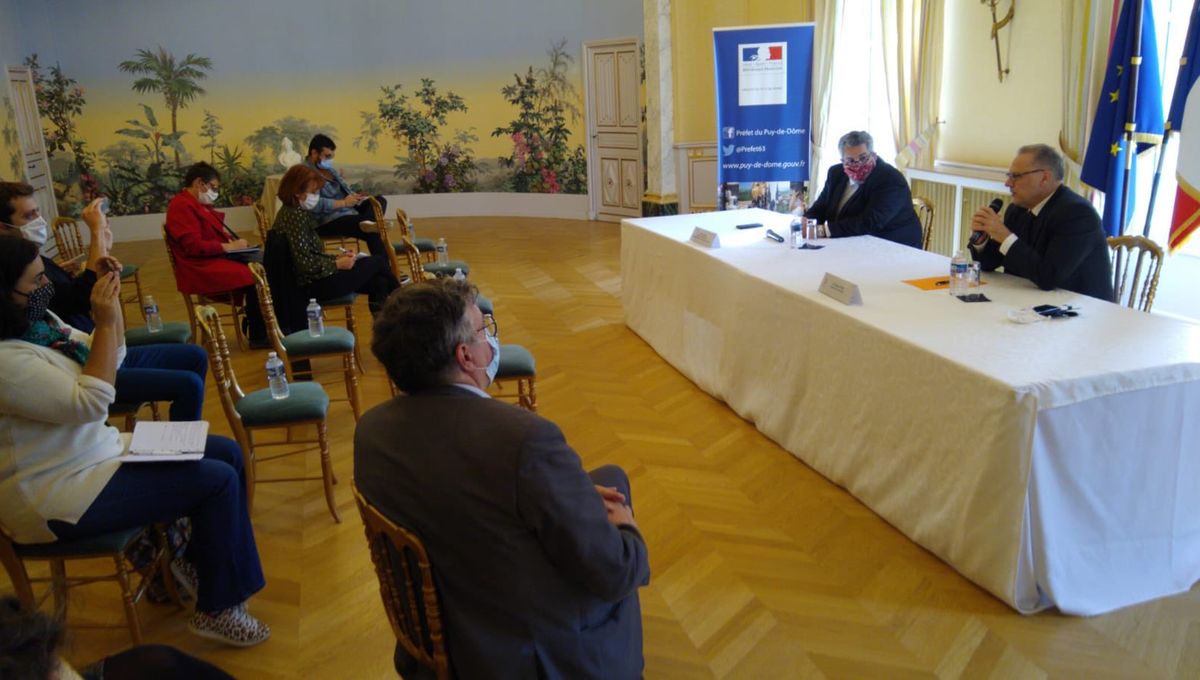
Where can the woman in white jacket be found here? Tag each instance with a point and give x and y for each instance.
(61, 475)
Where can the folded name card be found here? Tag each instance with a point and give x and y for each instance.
(705, 238)
(841, 290)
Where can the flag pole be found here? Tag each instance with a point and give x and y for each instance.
(1135, 64)
(1162, 155)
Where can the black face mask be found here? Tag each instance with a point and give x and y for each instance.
(39, 302)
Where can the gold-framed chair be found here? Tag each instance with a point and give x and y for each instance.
(237, 307)
(248, 413)
(1137, 262)
(427, 246)
(260, 220)
(72, 253)
(401, 563)
(113, 545)
(517, 365)
(300, 346)
(924, 210)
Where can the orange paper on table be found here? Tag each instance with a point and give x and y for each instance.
(933, 283)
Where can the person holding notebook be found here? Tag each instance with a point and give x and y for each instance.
(61, 473)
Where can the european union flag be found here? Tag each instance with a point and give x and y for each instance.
(1104, 162)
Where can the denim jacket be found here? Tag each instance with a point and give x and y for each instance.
(331, 191)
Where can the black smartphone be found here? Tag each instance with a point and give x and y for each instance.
(751, 225)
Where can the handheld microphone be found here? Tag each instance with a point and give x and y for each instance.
(978, 238)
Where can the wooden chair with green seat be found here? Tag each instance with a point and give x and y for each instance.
(300, 346)
(1135, 289)
(72, 249)
(426, 246)
(237, 308)
(114, 546)
(517, 364)
(306, 405)
(428, 266)
(408, 590)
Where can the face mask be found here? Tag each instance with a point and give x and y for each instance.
(310, 201)
(39, 302)
(859, 172)
(494, 364)
(325, 164)
(35, 231)
(208, 197)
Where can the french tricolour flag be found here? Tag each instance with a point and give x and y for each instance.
(1185, 117)
(763, 53)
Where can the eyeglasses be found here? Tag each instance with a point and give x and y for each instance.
(489, 325)
(1014, 176)
(861, 160)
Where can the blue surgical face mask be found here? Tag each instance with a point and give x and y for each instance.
(325, 164)
(494, 364)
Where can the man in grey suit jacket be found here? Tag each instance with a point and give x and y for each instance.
(537, 562)
(1049, 234)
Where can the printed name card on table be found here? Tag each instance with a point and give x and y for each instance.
(706, 238)
(841, 290)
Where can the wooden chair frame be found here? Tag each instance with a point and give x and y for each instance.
(403, 222)
(350, 369)
(409, 627)
(59, 583)
(237, 310)
(231, 393)
(1135, 290)
(924, 210)
(72, 254)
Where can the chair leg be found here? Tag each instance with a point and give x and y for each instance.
(351, 372)
(357, 345)
(154, 410)
(527, 393)
(130, 421)
(18, 576)
(58, 586)
(327, 470)
(249, 465)
(163, 564)
(131, 616)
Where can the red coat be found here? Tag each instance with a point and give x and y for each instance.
(195, 234)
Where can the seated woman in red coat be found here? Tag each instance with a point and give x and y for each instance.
(199, 239)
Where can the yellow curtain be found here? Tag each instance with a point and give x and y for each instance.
(1086, 25)
(828, 21)
(912, 57)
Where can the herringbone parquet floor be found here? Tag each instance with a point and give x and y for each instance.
(761, 568)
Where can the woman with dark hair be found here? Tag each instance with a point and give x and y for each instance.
(61, 473)
(321, 275)
(30, 643)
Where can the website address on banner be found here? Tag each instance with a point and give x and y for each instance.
(758, 165)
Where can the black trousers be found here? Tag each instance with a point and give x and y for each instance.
(347, 225)
(370, 275)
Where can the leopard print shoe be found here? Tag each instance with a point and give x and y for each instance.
(234, 626)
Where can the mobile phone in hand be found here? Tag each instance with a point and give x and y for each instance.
(104, 204)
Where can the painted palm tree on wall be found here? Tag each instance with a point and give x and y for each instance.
(174, 80)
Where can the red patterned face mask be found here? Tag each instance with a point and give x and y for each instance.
(859, 171)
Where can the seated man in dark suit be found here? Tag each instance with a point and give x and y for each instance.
(537, 562)
(865, 196)
(1050, 234)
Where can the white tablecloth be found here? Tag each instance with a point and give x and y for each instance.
(1055, 463)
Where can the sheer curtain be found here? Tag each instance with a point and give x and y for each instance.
(1086, 25)
(912, 55)
(828, 14)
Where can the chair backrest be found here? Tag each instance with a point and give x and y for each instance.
(68, 240)
(402, 567)
(170, 253)
(213, 338)
(267, 306)
(413, 256)
(1136, 262)
(924, 210)
(386, 237)
(260, 217)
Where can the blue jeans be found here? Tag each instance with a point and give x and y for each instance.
(168, 372)
(212, 492)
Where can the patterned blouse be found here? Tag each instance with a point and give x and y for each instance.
(308, 252)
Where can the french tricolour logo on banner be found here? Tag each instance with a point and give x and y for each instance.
(762, 74)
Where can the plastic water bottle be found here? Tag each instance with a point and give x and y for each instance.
(277, 377)
(796, 233)
(443, 252)
(150, 309)
(960, 272)
(459, 275)
(316, 322)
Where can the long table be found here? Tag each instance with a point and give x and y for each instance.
(1056, 464)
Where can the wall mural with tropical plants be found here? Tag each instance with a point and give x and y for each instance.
(141, 170)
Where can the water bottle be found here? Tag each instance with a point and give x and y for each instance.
(960, 272)
(443, 253)
(796, 233)
(459, 275)
(150, 309)
(316, 322)
(277, 377)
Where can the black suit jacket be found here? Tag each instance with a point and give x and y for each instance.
(881, 207)
(534, 580)
(1063, 247)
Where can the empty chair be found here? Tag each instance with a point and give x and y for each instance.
(924, 211)
(1136, 262)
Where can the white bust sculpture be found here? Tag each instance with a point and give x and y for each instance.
(287, 154)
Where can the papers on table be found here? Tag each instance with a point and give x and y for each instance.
(156, 442)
